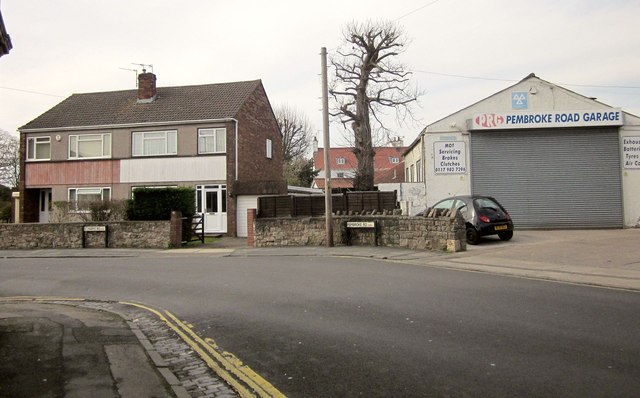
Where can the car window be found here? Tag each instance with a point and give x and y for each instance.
(486, 203)
(463, 209)
(445, 204)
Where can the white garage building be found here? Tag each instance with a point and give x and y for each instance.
(552, 157)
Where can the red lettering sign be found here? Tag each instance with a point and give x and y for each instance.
(489, 120)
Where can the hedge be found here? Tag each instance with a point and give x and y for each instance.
(158, 203)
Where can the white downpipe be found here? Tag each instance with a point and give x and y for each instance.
(235, 159)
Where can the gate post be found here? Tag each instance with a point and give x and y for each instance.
(175, 229)
(251, 215)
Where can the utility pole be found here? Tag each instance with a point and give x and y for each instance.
(328, 205)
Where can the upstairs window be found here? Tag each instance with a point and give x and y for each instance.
(341, 160)
(39, 148)
(212, 141)
(154, 143)
(394, 160)
(90, 146)
(269, 149)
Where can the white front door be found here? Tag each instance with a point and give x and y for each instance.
(211, 202)
(45, 205)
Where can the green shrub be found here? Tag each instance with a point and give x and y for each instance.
(5, 212)
(158, 203)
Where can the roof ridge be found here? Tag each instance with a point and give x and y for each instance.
(256, 81)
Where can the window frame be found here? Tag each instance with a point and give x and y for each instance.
(33, 141)
(166, 133)
(73, 204)
(216, 131)
(341, 160)
(84, 137)
(269, 149)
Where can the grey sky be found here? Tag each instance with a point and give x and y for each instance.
(72, 46)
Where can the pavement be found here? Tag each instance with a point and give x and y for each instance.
(60, 347)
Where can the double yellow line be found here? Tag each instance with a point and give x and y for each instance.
(239, 376)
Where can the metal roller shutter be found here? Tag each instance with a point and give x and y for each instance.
(561, 178)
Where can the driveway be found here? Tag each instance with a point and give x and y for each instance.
(596, 257)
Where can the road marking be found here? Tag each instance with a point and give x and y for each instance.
(225, 364)
(233, 364)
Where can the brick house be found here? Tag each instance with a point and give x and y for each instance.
(221, 139)
(388, 166)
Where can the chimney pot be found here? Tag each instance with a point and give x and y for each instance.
(146, 87)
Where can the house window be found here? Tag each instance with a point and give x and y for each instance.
(406, 174)
(340, 175)
(418, 171)
(269, 148)
(39, 148)
(89, 146)
(341, 160)
(412, 173)
(155, 143)
(394, 160)
(80, 199)
(212, 141)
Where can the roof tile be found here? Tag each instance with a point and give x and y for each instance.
(173, 104)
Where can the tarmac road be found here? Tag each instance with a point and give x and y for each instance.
(318, 326)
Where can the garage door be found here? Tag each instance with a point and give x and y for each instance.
(561, 178)
(244, 202)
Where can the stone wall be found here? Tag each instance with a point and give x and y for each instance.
(443, 233)
(121, 234)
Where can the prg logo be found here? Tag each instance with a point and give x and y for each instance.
(489, 120)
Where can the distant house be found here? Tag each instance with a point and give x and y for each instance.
(388, 166)
(5, 40)
(221, 139)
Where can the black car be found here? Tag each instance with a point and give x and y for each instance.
(483, 215)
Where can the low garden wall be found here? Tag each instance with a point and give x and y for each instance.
(444, 233)
(112, 234)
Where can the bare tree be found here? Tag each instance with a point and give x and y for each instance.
(368, 82)
(296, 132)
(9, 160)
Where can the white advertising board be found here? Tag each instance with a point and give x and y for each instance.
(449, 157)
(547, 119)
(631, 152)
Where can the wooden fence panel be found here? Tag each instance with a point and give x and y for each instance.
(313, 205)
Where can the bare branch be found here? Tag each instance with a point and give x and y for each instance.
(368, 79)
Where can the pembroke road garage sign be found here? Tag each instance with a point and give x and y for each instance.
(547, 119)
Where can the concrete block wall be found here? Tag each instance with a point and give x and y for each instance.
(442, 233)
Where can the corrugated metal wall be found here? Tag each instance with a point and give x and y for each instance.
(560, 178)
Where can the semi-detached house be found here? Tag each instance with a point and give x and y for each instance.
(220, 139)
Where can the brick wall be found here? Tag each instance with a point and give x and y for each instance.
(257, 174)
(421, 233)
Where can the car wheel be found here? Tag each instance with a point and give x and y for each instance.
(506, 235)
(472, 236)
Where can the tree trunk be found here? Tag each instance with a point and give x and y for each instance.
(363, 144)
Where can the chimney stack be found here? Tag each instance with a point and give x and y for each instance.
(397, 142)
(146, 87)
